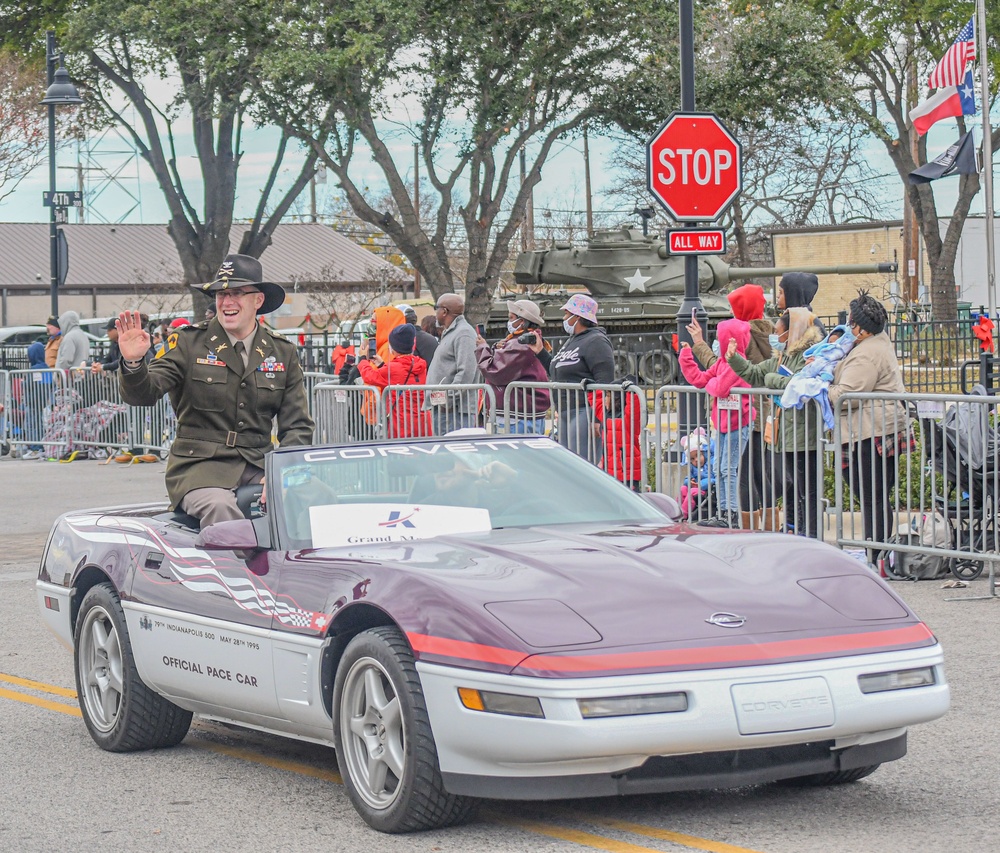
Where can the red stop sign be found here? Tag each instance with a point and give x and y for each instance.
(694, 167)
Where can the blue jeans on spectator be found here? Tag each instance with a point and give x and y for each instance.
(728, 450)
(575, 433)
(449, 420)
(524, 426)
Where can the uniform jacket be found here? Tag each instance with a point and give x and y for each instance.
(404, 407)
(224, 412)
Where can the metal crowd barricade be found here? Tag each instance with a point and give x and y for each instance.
(40, 411)
(346, 413)
(919, 475)
(313, 379)
(100, 416)
(680, 412)
(605, 424)
(419, 410)
(4, 410)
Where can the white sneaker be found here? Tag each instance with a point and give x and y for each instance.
(31, 454)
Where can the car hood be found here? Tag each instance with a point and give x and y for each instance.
(574, 591)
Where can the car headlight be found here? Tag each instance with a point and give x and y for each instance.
(628, 706)
(900, 679)
(500, 703)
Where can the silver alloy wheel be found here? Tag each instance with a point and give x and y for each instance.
(100, 663)
(372, 733)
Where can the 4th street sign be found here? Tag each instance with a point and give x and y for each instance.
(73, 198)
(696, 241)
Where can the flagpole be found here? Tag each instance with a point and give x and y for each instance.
(987, 158)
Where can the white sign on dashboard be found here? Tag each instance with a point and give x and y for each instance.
(335, 525)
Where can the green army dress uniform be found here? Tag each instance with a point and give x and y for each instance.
(224, 411)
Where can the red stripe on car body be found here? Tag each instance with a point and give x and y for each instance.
(867, 642)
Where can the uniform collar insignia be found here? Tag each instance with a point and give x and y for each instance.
(221, 347)
(259, 350)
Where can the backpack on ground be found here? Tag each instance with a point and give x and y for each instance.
(931, 530)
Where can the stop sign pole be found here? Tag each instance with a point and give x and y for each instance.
(692, 305)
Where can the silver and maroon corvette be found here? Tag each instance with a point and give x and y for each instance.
(488, 617)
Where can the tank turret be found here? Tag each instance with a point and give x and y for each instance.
(639, 288)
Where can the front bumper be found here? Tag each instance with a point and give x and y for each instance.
(564, 755)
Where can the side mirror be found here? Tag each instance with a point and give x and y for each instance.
(664, 503)
(238, 535)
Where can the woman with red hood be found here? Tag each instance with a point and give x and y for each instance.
(756, 494)
(731, 415)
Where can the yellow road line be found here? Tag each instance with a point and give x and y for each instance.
(277, 763)
(38, 685)
(667, 835)
(576, 836)
(61, 707)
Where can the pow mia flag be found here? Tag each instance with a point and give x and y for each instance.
(962, 158)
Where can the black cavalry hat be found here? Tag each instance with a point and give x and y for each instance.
(242, 271)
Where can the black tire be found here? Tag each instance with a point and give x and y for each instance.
(380, 711)
(835, 777)
(121, 713)
(966, 570)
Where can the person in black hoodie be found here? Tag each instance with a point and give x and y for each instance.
(797, 290)
(584, 358)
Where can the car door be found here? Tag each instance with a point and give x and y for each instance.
(201, 625)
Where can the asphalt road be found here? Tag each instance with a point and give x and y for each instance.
(233, 790)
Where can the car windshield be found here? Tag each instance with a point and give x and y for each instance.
(399, 491)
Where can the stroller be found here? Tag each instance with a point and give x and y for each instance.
(961, 452)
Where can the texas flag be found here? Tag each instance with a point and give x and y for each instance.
(946, 102)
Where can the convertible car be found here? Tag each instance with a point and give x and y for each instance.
(487, 617)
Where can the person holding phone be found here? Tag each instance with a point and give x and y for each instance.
(522, 356)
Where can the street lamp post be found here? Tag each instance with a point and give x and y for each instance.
(60, 91)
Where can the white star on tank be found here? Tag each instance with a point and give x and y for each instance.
(637, 281)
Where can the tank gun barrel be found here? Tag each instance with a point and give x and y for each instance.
(842, 269)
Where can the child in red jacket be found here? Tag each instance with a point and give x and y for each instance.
(405, 416)
(624, 418)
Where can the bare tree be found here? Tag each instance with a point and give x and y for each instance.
(22, 121)
(795, 174)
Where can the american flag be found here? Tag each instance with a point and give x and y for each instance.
(951, 69)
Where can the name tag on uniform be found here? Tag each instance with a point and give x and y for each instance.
(730, 403)
(213, 361)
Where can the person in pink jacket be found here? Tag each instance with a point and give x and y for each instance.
(732, 416)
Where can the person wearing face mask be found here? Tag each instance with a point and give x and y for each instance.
(795, 432)
(522, 356)
(756, 504)
(585, 357)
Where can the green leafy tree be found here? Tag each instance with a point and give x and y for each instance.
(473, 86)
(889, 52)
(153, 68)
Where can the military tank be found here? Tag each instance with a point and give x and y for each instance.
(639, 288)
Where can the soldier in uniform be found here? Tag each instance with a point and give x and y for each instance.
(227, 379)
